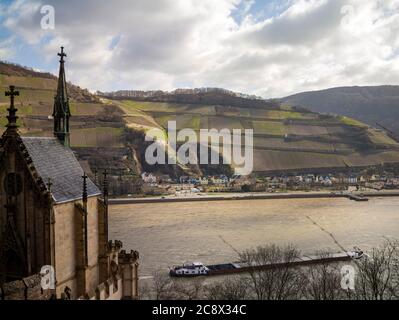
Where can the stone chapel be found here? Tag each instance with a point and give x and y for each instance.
(52, 215)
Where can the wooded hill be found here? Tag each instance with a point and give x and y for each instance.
(370, 105)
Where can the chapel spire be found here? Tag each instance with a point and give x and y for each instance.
(61, 111)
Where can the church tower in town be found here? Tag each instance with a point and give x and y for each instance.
(61, 111)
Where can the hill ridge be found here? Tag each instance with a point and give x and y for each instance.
(369, 104)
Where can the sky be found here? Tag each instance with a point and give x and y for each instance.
(270, 48)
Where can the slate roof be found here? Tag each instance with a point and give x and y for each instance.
(52, 160)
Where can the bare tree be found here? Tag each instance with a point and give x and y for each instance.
(165, 288)
(188, 290)
(145, 291)
(229, 289)
(377, 278)
(323, 281)
(162, 285)
(280, 281)
(377, 274)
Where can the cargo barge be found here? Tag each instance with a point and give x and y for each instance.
(197, 269)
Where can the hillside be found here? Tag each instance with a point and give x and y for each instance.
(41, 80)
(286, 138)
(370, 105)
(99, 134)
(107, 131)
(97, 129)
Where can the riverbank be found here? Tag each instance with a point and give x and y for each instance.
(254, 196)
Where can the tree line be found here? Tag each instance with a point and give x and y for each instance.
(376, 277)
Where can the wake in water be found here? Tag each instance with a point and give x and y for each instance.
(331, 235)
(234, 249)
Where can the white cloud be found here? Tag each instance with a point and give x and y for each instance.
(165, 44)
(6, 49)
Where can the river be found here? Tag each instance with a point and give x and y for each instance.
(167, 234)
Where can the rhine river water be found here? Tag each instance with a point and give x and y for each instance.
(167, 234)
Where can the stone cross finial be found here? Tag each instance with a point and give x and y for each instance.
(12, 118)
(62, 54)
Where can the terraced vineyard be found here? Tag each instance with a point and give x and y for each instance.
(35, 106)
(94, 124)
(285, 138)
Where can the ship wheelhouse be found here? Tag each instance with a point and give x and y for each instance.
(190, 269)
